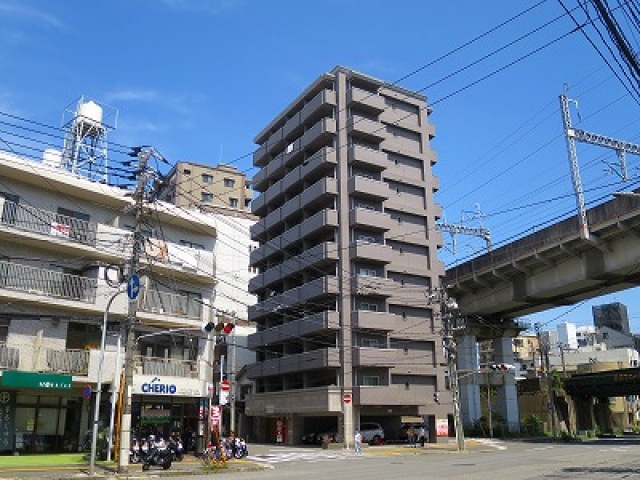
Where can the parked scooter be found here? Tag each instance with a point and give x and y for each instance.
(239, 447)
(159, 455)
(175, 446)
(134, 452)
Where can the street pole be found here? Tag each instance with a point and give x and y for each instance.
(544, 360)
(489, 413)
(96, 408)
(125, 417)
(115, 388)
(447, 305)
(232, 428)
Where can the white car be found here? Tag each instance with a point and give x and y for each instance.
(372, 433)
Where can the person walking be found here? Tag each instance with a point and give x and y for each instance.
(358, 443)
(422, 435)
(411, 435)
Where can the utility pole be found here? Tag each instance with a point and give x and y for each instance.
(544, 357)
(133, 287)
(447, 306)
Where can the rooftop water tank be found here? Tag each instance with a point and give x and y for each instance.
(89, 117)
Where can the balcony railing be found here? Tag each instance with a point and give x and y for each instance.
(172, 304)
(170, 367)
(9, 357)
(47, 282)
(75, 362)
(31, 219)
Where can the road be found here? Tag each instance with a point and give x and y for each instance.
(489, 460)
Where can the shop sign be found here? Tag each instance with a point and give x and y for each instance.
(6, 420)
(442, 427)
(173, 386)
(155, 416)
(49, 381)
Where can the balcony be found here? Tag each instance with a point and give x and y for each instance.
(9, 357)
(319, 135)
(368, 158)
(366, 101)
(42, 222)
(313, 360)
(170, 304)
(373, 286)
(171, 367)
(371, 252)
(392, 395)
(321, 105)
(368, 130)
(295, 329)
(314, 257)
(371, 219)
(376, 357)
(368, 188)
(49, 283)
(366, 320)
(73, 362)
(325, 219)
(308, 292)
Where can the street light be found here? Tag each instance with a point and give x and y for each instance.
(96, 409)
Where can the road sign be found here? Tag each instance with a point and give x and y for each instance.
(133, 286)
(346, 397)
(225, 386)
(86, 391)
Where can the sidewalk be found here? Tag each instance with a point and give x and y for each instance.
(109, 470)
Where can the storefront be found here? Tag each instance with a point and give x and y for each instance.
(39, 412)
(168, 406)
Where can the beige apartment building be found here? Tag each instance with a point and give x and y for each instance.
(191, 184)
(346, 260)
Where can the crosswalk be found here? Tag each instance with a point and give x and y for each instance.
(309, 456)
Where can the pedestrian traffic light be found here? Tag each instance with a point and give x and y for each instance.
(436, 397)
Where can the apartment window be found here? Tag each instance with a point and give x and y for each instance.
(186, 171)
(371, 342)
(366, 239)
(4, 329)
(370, 307)
(190, 244)
(233, 202)
(370, 380)
(367, 272)
(207, 197)
(229, 182)
(206, 178)
(247, 202)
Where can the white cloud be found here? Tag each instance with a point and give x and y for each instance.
(132, 95)
(176, 102)
(31, 14)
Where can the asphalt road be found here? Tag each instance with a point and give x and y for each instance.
(609, 459)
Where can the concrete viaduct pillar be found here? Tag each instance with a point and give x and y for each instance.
(507, 392)
(468, 363)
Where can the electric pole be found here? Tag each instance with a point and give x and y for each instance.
(544, 360)
(447, 306)
(133, 288)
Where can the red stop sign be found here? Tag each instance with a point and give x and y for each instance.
(225, 386)
(346, 397)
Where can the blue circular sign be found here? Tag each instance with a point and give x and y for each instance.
(86, 391)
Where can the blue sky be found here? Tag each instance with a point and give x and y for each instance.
(197, 79)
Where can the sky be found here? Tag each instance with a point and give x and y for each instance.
(198, 79)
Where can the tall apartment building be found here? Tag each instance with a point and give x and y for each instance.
(613, 315)
(63, 238)
(191, 184)
(346, 259)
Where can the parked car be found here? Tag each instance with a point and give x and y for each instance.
(372, 433)
(328, 437)
(309, 438)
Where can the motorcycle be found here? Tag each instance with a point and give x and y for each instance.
(134, 452)
(175, 446)
(239, 448)
(160, 456)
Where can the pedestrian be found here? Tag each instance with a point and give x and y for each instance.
(423, 434)
(411, 435)
(358, 443)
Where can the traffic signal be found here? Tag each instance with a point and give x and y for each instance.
(224, 328)
(208, 327)
(436, 397)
